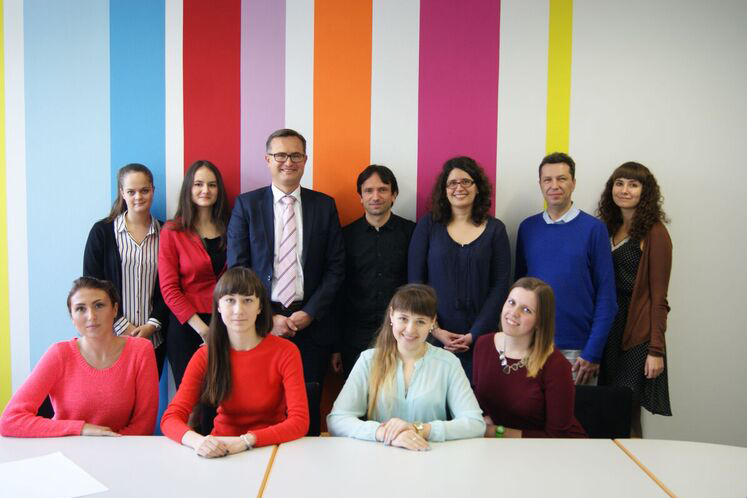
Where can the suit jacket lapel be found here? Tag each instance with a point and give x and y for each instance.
(268, 217)
(307, 214)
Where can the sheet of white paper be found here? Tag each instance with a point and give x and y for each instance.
(48, 476)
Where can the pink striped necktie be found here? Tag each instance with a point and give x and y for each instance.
(287, 250)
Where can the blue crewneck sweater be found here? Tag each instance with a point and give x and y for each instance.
(576, 260)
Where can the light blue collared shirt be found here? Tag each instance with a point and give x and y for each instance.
(568, 216)
(437, 382)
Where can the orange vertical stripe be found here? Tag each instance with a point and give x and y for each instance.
(342, 99)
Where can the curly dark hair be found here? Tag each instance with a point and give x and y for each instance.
(649, 210)
(440, 206)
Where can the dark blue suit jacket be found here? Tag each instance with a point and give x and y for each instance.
(251, 243)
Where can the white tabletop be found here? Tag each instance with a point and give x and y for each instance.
(693, 469)
(329, 467)
(140, 466)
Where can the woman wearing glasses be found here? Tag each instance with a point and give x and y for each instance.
(463, 253)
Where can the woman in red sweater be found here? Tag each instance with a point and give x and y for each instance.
(191, 257)
(100, 384)
(254, 379)
(523, 383)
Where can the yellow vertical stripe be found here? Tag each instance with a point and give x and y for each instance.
(559, 75)
(5, 380)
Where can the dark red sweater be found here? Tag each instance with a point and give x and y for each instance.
(541, 406)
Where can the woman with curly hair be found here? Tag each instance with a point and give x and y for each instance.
(634, 357)
(463, 253)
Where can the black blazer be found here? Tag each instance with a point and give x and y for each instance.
(101, 260)
(251, 243)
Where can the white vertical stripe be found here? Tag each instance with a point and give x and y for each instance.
(174, 103)
(522, 110)
(15, 153)
(394, 95)
(299, 76)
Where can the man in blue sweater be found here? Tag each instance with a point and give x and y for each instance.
(570, 250)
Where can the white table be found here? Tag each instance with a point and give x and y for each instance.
(140, 466)
(693, 469)
(329, 467)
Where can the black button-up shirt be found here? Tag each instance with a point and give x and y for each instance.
(375, 265)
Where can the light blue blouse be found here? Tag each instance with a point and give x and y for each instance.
(438, 384)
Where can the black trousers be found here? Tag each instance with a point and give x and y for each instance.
(161, 357)
(181, 343)
(349, 356)
(315, 357)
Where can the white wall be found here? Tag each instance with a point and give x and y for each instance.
(663, 83)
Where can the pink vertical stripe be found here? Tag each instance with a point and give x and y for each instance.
(262, 84)
(458, 87)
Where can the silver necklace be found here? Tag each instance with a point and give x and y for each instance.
(507, 369)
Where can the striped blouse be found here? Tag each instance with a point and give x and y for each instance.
(139, 272)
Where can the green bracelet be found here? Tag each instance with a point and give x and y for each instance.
(499, 430)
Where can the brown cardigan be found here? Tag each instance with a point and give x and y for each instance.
(647, 314)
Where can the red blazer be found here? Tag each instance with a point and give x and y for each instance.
(186, 273)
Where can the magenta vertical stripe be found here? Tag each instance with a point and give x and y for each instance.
(458, 87)
(262, 84)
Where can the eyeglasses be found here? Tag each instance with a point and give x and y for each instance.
(464, 182)
(281, 157)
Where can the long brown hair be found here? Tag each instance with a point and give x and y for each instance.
(238, 280)
(418, 299)
(544, 327)
(186, 211)
(649, 210)
(120, 206)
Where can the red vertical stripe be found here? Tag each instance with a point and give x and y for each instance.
(212, 92)
(458, 87)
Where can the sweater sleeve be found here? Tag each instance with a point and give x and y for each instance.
(169, 279)
(660, 267)
(174, 420)
(352, 404)
(500, 272)
(143, 418)
(466, 421)
(559, 393)
(20, 417)
(605, 300)
(296, 424)
(93, 254)
(417, 255)
(521, 262)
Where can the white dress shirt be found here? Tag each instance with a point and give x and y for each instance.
(277, 209)
(567, 217)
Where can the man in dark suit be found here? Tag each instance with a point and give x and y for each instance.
(291, 237)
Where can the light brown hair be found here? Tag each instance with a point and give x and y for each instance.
(417, 299)
(544, 326)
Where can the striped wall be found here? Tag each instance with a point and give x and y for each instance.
(92, 85)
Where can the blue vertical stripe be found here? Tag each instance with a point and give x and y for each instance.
(138, 91)
(66, 85)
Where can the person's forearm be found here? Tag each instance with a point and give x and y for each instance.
(191, 439)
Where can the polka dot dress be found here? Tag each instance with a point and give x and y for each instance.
(625, 368)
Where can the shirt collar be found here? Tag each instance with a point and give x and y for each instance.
(278, 194)
(566, 218)
(388, 226)
(121, 226)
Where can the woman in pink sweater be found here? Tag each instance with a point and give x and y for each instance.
(99, 384)
(253, 378)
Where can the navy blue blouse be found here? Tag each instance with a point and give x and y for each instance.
(471, 280)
